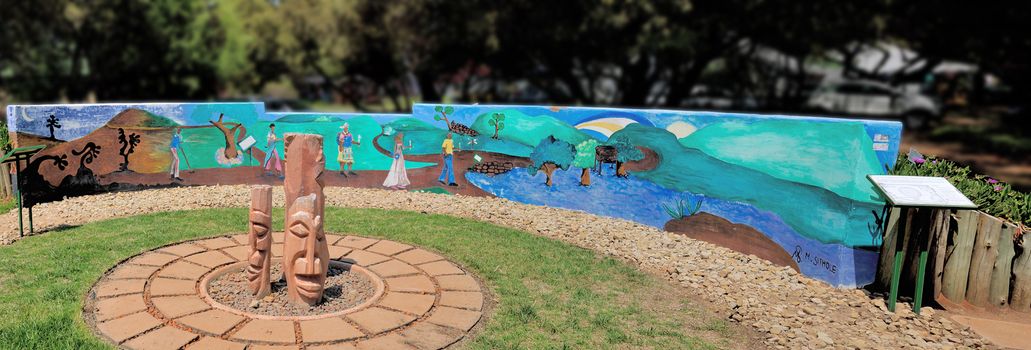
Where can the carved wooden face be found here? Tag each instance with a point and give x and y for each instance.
(260, 239)
(305, 252)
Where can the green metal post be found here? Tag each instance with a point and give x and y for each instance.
(17, 193)
(30, 219)
(918, 295)
(896, 269)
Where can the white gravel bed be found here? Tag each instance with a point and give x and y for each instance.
(792, 310)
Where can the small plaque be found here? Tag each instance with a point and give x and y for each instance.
(921, 191)
(247, 143)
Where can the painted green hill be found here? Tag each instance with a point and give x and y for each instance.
(308, 118)
(836, 156)
(529, 130)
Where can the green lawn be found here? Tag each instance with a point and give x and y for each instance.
(6, 204)
(551, 295)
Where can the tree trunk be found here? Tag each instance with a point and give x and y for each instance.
(496, 130)
(621, 169)
(230, 137)
(585, 177)
(548, 169)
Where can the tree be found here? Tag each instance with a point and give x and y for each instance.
(53, 122)
(498, 122)
(549, 155)
(230, 135)
(626, 152)
(128, 146)
(444, 111)
(585, 159)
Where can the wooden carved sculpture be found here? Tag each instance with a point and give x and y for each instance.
(259, 235)
(305, 250)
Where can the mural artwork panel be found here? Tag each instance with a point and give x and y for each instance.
(790, 190)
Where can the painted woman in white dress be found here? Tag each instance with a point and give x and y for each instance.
(397, 178)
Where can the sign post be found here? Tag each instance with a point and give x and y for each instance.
(16, 156)
(911, 192)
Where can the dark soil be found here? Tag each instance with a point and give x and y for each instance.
(742, 238)
(344, 290)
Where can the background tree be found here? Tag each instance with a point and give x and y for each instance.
(498, 122)
(52, 123)
(626, 152)
(128, 143)
(549, 155)
(585, 159)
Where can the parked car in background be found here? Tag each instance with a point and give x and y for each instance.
(874, 99)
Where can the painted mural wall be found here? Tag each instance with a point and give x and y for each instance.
(788, 189)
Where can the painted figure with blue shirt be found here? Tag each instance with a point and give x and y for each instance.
(177, 140)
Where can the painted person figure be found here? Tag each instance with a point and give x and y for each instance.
(177, 140)
(345, 155)
(272, 158)
(447, 152)
(397, 178)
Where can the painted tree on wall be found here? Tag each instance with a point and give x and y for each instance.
(585, 159)
(53, 123)
(498, 122)
(627, 152)
(128, 146)
(549, 155)
(454, 127)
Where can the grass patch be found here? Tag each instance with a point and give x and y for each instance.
(551, 295)
(6, 204)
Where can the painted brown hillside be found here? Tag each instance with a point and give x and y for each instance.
(24, 139)
(137, 118)
(150, 156)
(743, 238)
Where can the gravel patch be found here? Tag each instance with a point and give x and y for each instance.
(344, 290)
(790, 310)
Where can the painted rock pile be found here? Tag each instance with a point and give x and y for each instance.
(461, 129)
(492, 168)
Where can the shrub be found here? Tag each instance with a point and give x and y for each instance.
(991, 196)
(683, 207)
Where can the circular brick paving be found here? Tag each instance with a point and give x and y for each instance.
(157, 300)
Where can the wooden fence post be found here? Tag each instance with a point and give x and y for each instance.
(1021, 298)
(942, 218)
(982, 261)
(957, 256)
(999, 289)
(887, 258)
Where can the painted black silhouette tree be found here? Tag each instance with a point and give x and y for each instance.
(88, 153)
(128, 146)
(53, 123)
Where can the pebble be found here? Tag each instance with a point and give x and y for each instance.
(753, 292)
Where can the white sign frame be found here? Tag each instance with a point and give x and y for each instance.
(920, 191)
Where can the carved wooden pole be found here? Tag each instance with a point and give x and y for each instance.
(259, 236)
(305, 250)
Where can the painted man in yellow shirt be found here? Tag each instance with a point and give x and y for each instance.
(447, 172)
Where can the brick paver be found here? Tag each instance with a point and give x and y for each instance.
(411, 303)
(166, 286)
(241, 239)
(441, 268)
(389, 341)
(118, 306)
(390, 323)
(465, 300)
(120, 329)
(183, 249)
(388, 247)
(418, 256)
(416, 283)
(212, 321)
(153, 259)
(212, 258)
(356, 242)
(277, 237)
(238, 252)
(277, 250)
(337, 252)
(430, 336)
(393, 268)
(377, 320)
(173, 307)
(217, 243)
(458, 282)
(133, 271)
(364, 258)
(164, 338)
(454, 318)
(267, 331)
(116, 287)
(328, 329)
(209, 343)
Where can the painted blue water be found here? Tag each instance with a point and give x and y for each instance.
(641, 201)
